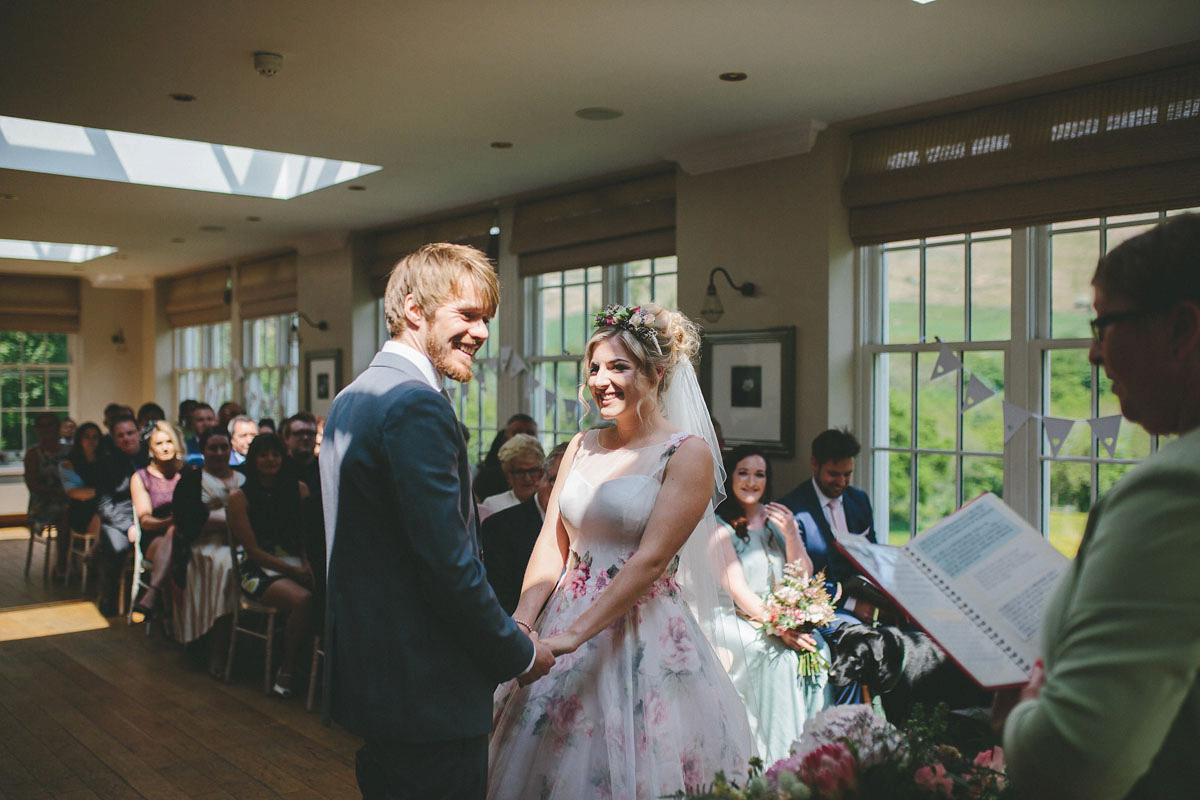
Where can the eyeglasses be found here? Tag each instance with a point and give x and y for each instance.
(532, 472)
(1104, 320)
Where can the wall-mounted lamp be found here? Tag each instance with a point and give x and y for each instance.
(712, 309)
(118, 338)
(321, 326)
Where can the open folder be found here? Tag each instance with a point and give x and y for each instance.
(977, 582)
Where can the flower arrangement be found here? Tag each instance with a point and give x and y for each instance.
(632, 318)
(850, 753)
(800, 603)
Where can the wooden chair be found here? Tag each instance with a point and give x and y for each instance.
(79, 549)
(245, 606)
(44, 537)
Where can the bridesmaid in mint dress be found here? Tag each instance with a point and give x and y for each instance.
(764, 537)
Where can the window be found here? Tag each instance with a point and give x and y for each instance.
(270, 354)
(1013, 309)
(203, 362)
(559, 309)
(35, 376)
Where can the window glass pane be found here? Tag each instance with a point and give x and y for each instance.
(898, 374)
(638, 291)
(551, 308)
(1072, 262)
(35, 390)
(56, 348)
(11, 439)
(10, 346)
(1109, 474)
(1070, 396)
(937, 481)
(1150, 217)
(574, 300)
(899, 497)
(937, 411)
(991, 290)
(665, 290)
(945, 292)
(10, 389)
(1075, 223)
(58, 385)
(982, 475)
(902, 286)
(641, 267)
(1066, 507)
(1117, 235)
(983, 424)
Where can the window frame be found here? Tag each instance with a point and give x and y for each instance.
(28, 412)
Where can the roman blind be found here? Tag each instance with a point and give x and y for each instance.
(42, 303)
(198, 298)
(383, 248)
(267, 287)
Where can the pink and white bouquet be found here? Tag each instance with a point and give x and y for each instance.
(800, 603)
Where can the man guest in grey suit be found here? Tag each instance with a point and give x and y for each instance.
(416, 642)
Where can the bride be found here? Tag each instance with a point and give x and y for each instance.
(638, 704)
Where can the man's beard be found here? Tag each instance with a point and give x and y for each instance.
(439, 354)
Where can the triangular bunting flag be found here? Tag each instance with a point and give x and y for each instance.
(1014, 418)
(1106, 429)
(505, 355)
(550, 399)
(947, 362)
(977, 392)
(516, 365)
(1057, 430)
(571, 407)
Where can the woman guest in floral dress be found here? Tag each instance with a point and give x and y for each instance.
(638, 705)
(760, 538)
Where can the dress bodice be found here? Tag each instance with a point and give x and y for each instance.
(609, 495)
(762, 557)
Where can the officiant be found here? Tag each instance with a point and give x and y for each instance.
(1115, 712)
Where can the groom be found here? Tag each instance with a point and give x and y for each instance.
(415, 641)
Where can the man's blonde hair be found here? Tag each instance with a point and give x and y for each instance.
(435, 273)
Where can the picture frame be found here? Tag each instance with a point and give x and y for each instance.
(749, 381)
(322, 380)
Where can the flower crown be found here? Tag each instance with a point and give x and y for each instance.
(633, 319)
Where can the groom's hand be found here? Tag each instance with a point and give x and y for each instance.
(543, 660)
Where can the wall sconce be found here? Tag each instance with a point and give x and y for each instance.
(118, 338)
(321, 326)
(712, 309)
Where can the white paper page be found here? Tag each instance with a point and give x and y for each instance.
(1000, 566)
(935, 613)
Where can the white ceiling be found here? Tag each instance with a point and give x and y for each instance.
(422, 88)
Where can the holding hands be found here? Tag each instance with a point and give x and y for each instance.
(543, 661)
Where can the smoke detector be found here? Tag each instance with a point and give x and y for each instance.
(267, 64)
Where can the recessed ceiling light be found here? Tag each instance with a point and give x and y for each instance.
(52, 251)
(357, 188)
(253, 219)
(8, 197)
(922, 2)
(733, 77)
(212, 228)
(78, 152)
(501, 145)
(177, 240)
(182, 97)
(598, 113)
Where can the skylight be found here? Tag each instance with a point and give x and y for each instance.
(79, 152)
(52, 251)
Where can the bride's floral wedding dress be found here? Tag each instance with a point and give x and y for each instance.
(644, 708)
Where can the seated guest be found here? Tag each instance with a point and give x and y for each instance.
(203, 418)
(521, 459)
(267, 519)
(47, 497)
(266, 425)
(118, 529)
(757, 539)
(201, 564)
(185, 417)
(300, 433)
(228, 410)
(149, 412)
(242, 431)
(507, 537)
(153, 491)
(1115, 710)
(490, 478)
(80, 474)
(66, 431)
(112, 412)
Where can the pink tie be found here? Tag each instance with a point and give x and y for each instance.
(837, 520)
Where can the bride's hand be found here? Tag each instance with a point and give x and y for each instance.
(799, 641)
(561, 643)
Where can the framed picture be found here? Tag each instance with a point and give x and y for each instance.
(749, 381)
(322, 379)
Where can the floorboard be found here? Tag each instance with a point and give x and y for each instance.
(93, 709)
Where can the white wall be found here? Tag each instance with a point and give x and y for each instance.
(780, 224)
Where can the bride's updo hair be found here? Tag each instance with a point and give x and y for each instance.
(656, 338)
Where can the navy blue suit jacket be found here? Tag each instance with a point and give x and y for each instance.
(816, 533)
(415, 640)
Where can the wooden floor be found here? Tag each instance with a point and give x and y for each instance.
(93, 708)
